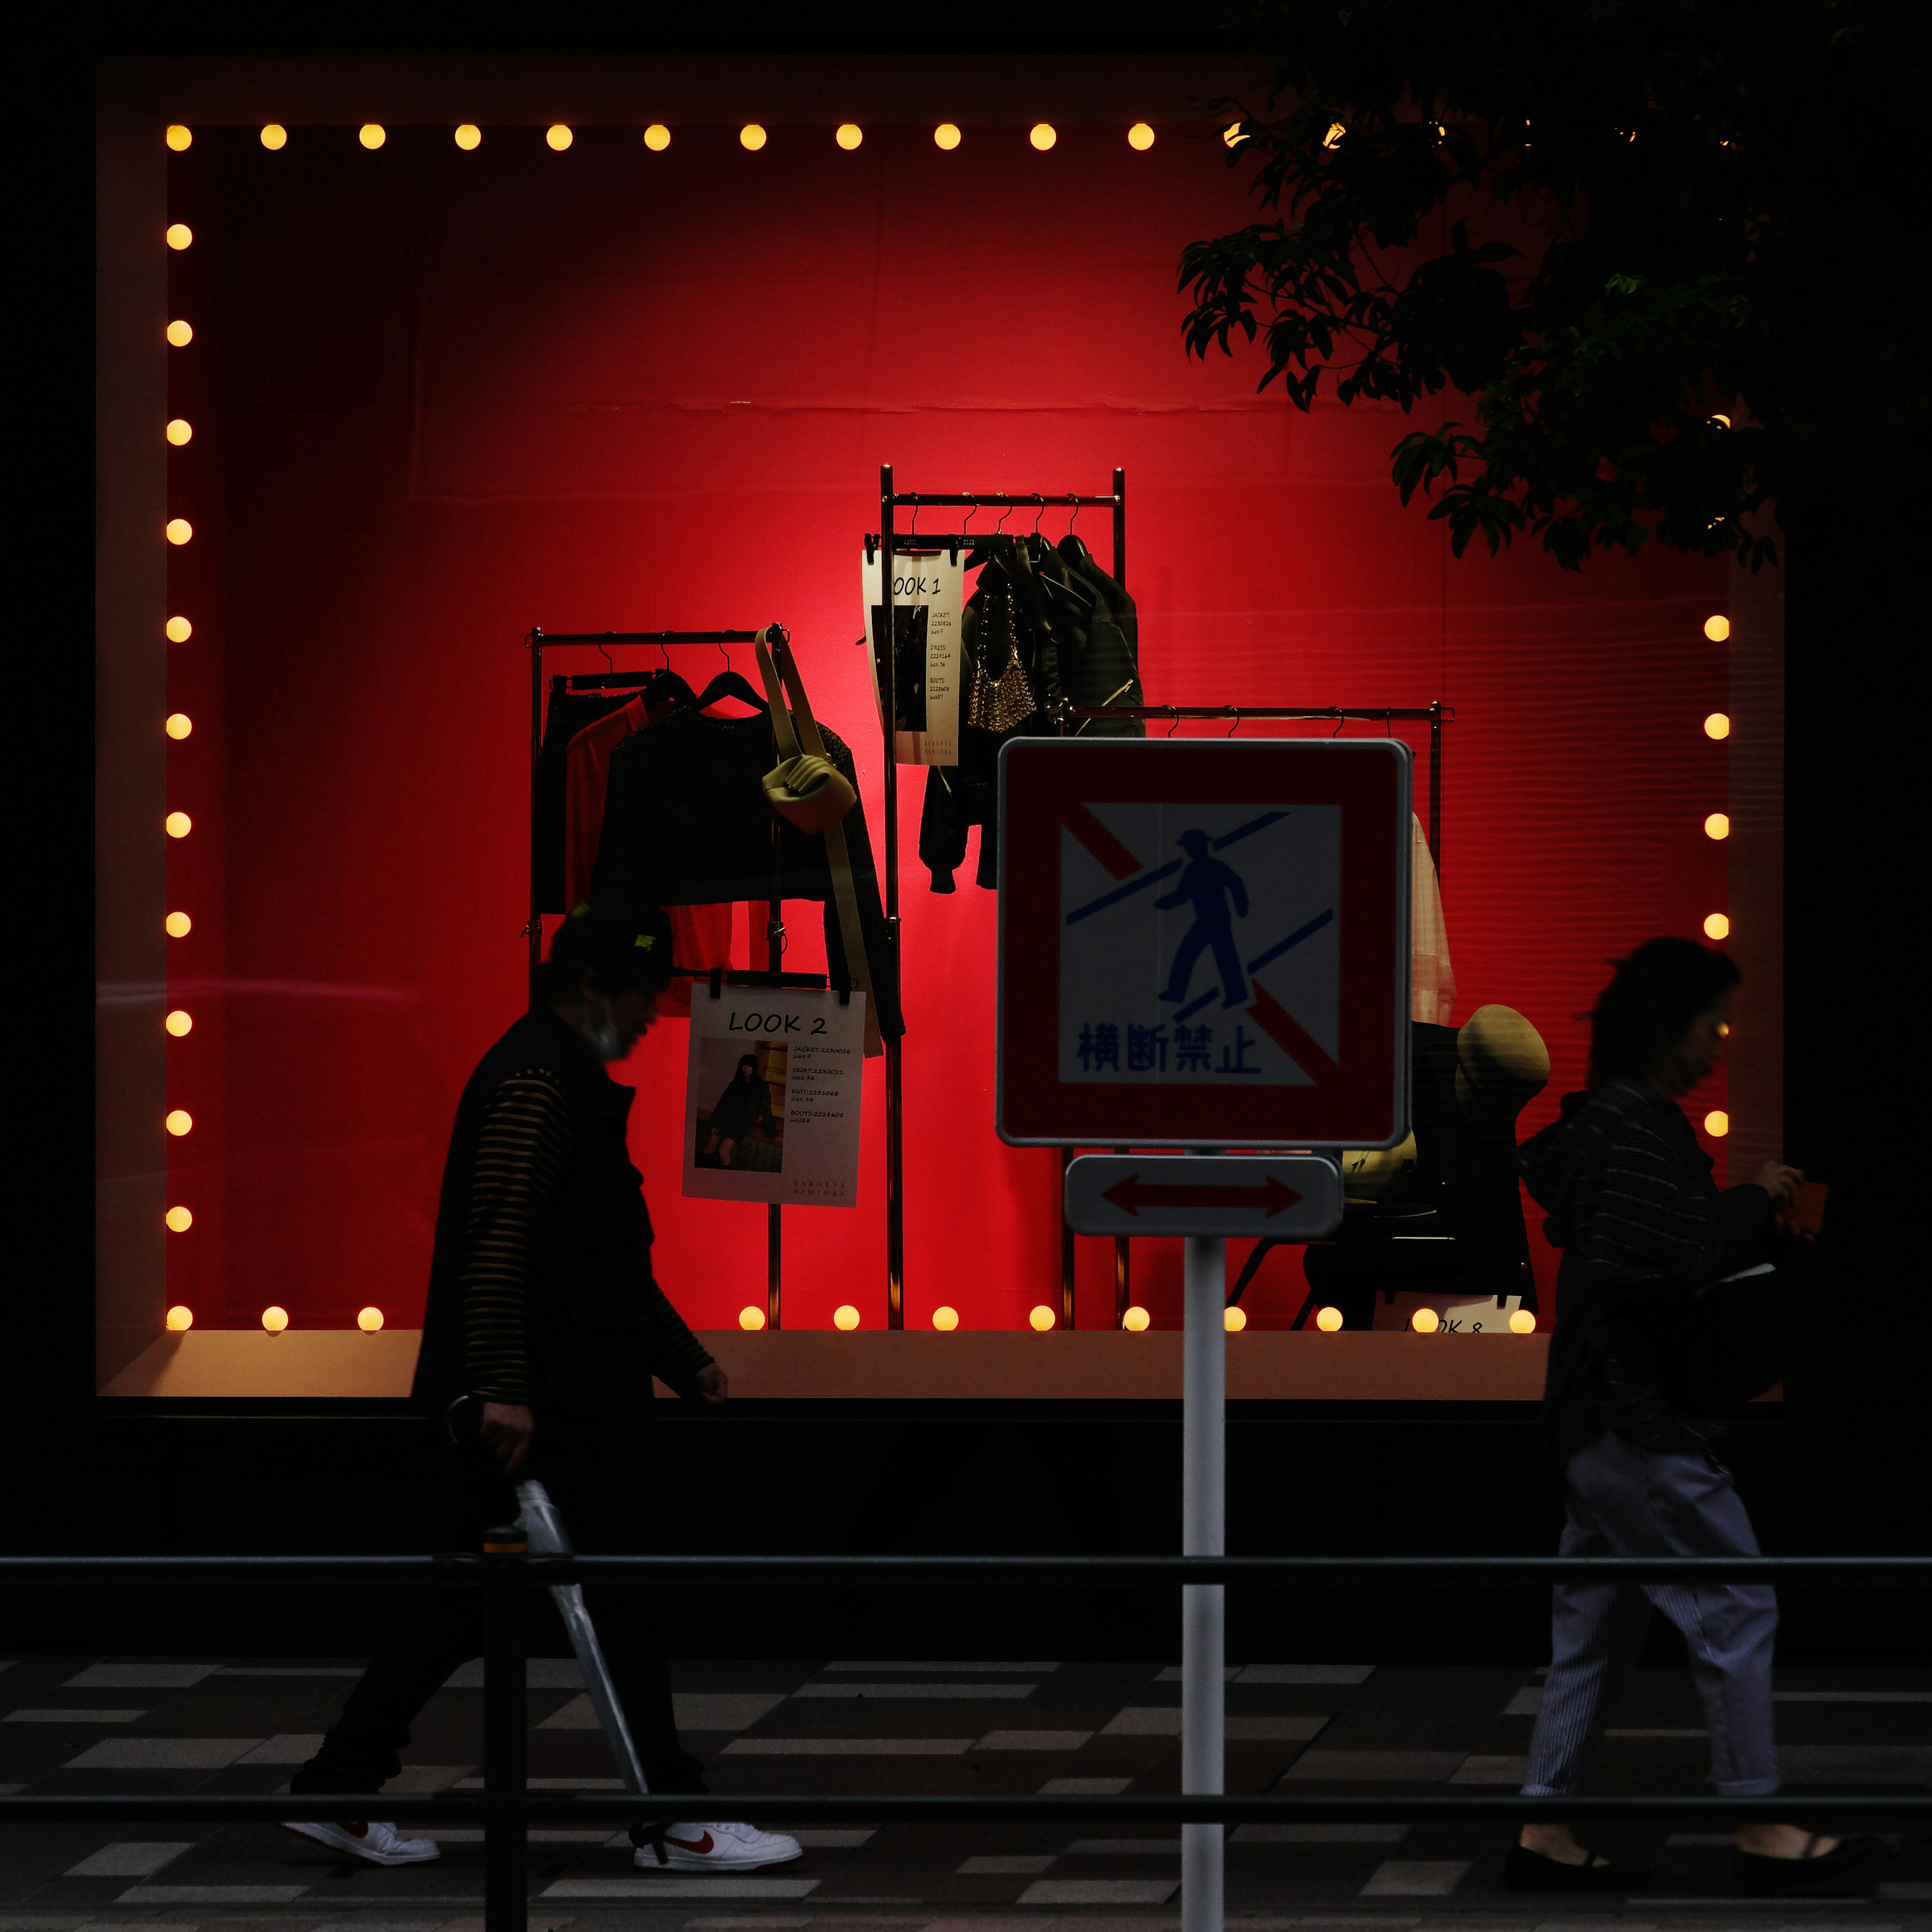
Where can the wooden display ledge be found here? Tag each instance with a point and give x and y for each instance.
(1061, 1365)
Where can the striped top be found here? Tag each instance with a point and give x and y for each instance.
(1643, 1228)
(523, 1152)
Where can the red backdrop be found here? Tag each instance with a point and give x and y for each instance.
(438, 396)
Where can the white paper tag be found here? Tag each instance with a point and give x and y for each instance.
(928, 601)
(772, 1094)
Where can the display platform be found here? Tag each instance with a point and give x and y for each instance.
(823, 1364)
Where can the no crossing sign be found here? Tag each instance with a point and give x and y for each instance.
(1203, 943)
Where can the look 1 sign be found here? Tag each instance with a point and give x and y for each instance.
(1203, 943)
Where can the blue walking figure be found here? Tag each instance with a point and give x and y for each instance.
(1211, 886)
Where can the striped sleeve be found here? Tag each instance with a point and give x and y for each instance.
(1645, 1213)
(677, 1357)
(522, 1150)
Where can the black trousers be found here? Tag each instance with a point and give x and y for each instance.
(599, 1479)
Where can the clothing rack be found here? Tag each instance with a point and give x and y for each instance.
(1435, 714)
(889, 543)
(539, 641)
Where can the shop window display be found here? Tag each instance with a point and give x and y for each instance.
(422, 392)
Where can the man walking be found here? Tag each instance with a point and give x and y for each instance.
(1209, 886)
(543, 1314)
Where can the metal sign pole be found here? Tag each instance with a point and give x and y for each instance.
(1203, 1606)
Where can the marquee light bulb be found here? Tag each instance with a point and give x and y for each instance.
(1717, 826)
(469, 136)
(274, 137)
(180, 1320)
(945, 1320)
(1716, 926)
(850, 135)
(179, 1220)
(751, 1319)
(1716, 1123)
(275, 1320)
(558, 138)
(180, 530)
(752, 137)
(178, 824)
(946, 136)
(1328, 1320)
(179, 431)
(179, 1122)
(180, 335)
(180, 139)
(1425, 1321)
(1140, 137)
(1042, 135)
(1135, 1320)
(845, 1316)
(179, 1023)
(657, 137)
(180, 236)
(1231, 135)
(1722, 421)
(1041, 1317)
(1234, 1319)
(369, 1320)
(179, 925)
(1717, 628)
(179, 724)
(372, 134)
(1522, 1322)
(1333, 139)
(1717, 725)
(179, 630)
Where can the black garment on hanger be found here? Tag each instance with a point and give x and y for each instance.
(569, 712)
(1077, 635)
(686, 823)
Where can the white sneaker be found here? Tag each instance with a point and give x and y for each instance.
(719, 1848)
(375, 1841)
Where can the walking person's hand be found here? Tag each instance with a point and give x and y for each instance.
(709, 1384)
(1779, 1181)
(506, 1428)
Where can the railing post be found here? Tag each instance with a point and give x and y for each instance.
(505, 1747)
(1203, 1606)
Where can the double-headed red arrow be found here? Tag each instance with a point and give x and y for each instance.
(1271, 1197)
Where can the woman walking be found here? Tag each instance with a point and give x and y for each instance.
(1627, 1407)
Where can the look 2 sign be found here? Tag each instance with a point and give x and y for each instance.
(1203, 943)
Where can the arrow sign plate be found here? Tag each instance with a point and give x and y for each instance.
(1293, 1197)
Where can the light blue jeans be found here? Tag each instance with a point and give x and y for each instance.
(1626, 1501)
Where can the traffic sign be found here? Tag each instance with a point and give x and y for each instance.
(1292, 1197)
(1204, 942)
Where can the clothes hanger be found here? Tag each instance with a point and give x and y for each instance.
(728, 684)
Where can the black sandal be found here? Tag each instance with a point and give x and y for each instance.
(1526, 1871)
(1850, 1870)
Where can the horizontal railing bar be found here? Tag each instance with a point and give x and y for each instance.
(1315, 712)
(546, 638)
(990, 1572)
(913, 500)
(552, 1808)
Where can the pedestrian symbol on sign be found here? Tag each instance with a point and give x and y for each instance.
(1220, 966)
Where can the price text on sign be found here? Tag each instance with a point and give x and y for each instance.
(1292, 1197)
(1204, 942)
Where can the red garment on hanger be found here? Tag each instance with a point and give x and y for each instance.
(700, 934)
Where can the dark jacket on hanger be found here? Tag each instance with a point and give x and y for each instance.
(686, 823)
(568, 712)
(1048, 622)
(595, 1326)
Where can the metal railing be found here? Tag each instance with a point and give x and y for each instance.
(507, 1810)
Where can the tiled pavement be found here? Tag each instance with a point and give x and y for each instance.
(76, 1724)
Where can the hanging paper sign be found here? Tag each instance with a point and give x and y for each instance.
(771, 1107)
(928, 600)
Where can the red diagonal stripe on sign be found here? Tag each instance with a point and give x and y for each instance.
(1099, 841)
(1280, 1025)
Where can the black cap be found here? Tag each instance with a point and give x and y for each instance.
(623, 945)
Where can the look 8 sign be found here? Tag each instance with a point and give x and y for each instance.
(1203, 943)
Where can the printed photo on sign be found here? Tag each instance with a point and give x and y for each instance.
(929, 591)
(744, 1127)
(1200, 944)
(772, 1093)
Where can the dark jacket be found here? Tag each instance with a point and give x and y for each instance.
(1644, 1232)
(742, 1104)
(596, 1325)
